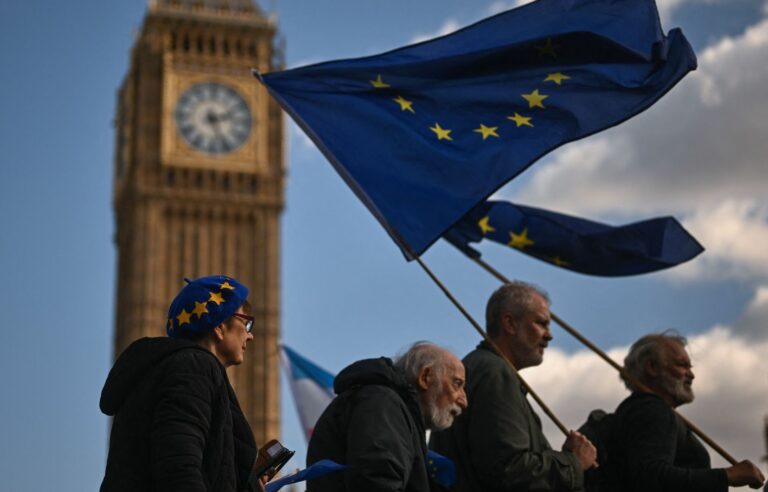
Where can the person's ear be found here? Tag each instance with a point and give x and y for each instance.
(508, 324)
(425, 378)
(218, 332)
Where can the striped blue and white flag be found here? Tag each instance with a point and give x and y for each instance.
(311, 385)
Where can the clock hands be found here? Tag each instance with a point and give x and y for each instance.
(219, 138)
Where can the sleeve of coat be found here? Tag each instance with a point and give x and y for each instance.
(653, 435)
(181, 422)
(379, 449)
(501, 444)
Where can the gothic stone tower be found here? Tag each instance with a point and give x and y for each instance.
(199, 178)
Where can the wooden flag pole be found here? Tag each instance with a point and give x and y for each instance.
(482, 333)
(704, 437)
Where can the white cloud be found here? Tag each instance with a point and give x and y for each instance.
(701, 152)
(753, 324)
(501, 6)
(731, 389)
(447, 27)
(452, 25)
(668, 7)
(735, 233)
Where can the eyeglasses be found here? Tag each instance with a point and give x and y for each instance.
(248, 320)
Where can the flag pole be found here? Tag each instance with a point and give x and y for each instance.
(482, 333)
(704, 437)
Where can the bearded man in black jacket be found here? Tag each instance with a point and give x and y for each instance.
(177, 422)
(650, 447)
(376, 425)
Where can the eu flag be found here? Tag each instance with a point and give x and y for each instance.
(577, 244)
(424, 133)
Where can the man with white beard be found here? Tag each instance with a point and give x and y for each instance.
(377, 423)
(650, 447)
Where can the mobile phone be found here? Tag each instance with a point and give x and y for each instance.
(272, 456)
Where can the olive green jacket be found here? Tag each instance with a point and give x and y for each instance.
(497, 443)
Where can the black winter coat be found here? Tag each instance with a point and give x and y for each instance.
(177, 422)
(375, 427)
(652, 449)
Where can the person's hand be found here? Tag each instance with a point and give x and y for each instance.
(262, 482)
(744, 473)
(580, 446)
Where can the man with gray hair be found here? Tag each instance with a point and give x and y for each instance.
(650, 447)
(498, 443)
(377, 423)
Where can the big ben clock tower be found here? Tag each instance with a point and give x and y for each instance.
(199, 177)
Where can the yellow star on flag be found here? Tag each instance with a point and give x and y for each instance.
(559, 262)
(216, 297)
(548, 48)
(521, 120)
(556, 77)
(534, 99)
(200, 309)
(183, 317)
(442, 133)
(487, 131)
(226, 285)
(378, 83)
(485, 226)
(405, 104)
(519, 241)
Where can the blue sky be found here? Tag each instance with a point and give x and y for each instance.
(699, 154)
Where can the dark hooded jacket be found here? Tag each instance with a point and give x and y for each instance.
(177, 422)
(374, 426)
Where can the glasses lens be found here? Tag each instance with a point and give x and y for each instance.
(248, 325)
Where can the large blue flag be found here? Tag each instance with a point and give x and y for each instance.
(577, 244)
(424, 133)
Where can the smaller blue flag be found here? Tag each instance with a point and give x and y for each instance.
(318, 469)
(441, 469)
(577, 244)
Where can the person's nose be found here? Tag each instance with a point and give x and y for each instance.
(462, 401)
(548, 335)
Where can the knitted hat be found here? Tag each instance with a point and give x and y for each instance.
(204, 304)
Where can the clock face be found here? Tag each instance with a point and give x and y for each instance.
(213, 118)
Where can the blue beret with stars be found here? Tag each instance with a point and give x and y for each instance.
(203, 304)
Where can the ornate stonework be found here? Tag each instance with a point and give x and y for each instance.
(199, 178)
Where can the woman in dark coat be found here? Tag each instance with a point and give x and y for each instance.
(177, 422)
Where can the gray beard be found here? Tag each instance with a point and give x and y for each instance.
(675, 388)
(439, 418)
